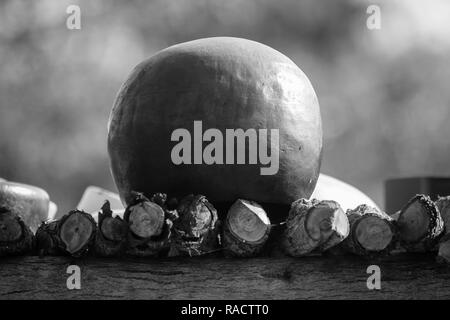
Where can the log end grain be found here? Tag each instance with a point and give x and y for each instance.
(420, 224)
(246, 229)
(16, 237)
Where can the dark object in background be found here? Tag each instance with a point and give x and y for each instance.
(399, 191)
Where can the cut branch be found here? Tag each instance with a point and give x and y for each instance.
(420, 224)
(15, 237)
(444, 249)
(246, 229)
(372, 232)
(47, 239)
(111, 237)
(73, 235)
(146, 219)
(149, 228)
(443, 205)
(314, 226)
(196, 231)
(77, 231)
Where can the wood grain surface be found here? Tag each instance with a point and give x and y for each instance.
(402, 277)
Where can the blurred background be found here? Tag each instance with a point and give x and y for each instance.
(384, 94)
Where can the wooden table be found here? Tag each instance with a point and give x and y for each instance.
(402, 277)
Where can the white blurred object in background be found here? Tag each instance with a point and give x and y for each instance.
(93, 199)
(52, 210)
(329, 188)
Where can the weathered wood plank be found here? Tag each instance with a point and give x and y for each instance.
(402, 277)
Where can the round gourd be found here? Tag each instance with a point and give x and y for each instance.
(217, 83)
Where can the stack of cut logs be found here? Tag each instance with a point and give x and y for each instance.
(159, 226)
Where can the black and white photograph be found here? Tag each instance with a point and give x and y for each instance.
(224, 155)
